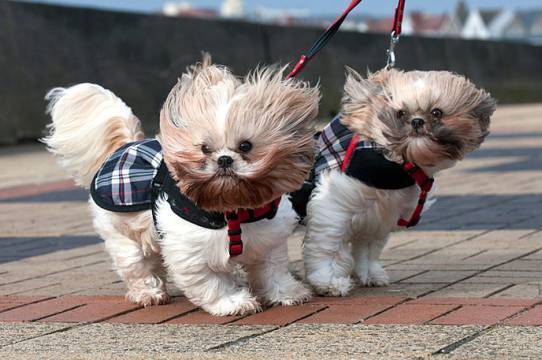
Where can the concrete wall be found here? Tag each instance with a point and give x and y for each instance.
(139, 57)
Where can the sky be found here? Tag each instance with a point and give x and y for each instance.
(369, 7)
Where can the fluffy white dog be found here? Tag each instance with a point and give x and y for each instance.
(177, 205)
(375, 165)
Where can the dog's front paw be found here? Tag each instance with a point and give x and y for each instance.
(373, 275)
(334, 286)
(239, 303)
(147, 296)
(296, 293)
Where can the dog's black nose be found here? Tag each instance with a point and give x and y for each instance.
(417, 123)
(224, 161)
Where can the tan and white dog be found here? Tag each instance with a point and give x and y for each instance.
(259, 124)
(430, 119)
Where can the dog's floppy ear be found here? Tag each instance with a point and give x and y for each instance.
(484, 109)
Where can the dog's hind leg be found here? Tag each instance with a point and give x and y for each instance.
(143, 275)
(136, 258)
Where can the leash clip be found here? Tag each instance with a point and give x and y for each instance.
(394, 40)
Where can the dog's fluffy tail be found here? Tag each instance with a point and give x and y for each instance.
(88, 124)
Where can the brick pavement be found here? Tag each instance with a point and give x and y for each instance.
(476, 257)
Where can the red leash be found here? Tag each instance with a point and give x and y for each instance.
(334, 27)
(322, 40)
(398, 18)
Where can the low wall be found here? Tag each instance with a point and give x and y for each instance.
(139, 57)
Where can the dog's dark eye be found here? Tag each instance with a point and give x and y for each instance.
(205, 149)
(245, 146)
(437, 113)
(400, 114)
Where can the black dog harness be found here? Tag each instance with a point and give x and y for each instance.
(341, 149)
(135, 176)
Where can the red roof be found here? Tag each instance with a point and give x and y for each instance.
(426, 23)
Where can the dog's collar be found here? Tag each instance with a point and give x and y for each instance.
(243, 216)
(185, 208)
(405, 175)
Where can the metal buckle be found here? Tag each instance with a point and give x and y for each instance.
(394, 39)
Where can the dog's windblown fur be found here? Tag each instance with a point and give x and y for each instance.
(264, 109)
(348, 221)
(210, 114)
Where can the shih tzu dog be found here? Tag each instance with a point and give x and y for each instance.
(203, 198)
(375, 164)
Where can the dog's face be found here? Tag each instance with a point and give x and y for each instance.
(233, 143)
(431, 118)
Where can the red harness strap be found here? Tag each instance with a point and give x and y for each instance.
(350, 151)
(417, 174)
(425, 183)
(236, 218)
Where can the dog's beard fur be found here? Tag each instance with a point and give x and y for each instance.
(371, 107)
(210, 107)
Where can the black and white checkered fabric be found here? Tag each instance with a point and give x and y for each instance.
(332, 145)
(124, 182)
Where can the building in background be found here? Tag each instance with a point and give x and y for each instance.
(462, 22)
(232, 9)
(184, 8)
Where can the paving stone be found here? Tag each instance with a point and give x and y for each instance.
(155, 314)
(92, 312)
(11, 333)
(529, 290)
(516, 278)
(464, 289)
(357, 300)
(478, 315)
(122, 341)
(522, 265)
(401, 275)
(200, 317)
(474, 301)
(397, 289)
(48, 219)
(530, 317)
(503, 342)
(343, 314)
(439, 277)
(26, 190)
(280, 315)
(339, 341)
(407, 314)
(40, 309)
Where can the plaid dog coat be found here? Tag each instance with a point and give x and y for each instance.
(124, 181)
(341, 149)
(333, 142)
(135, 176)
